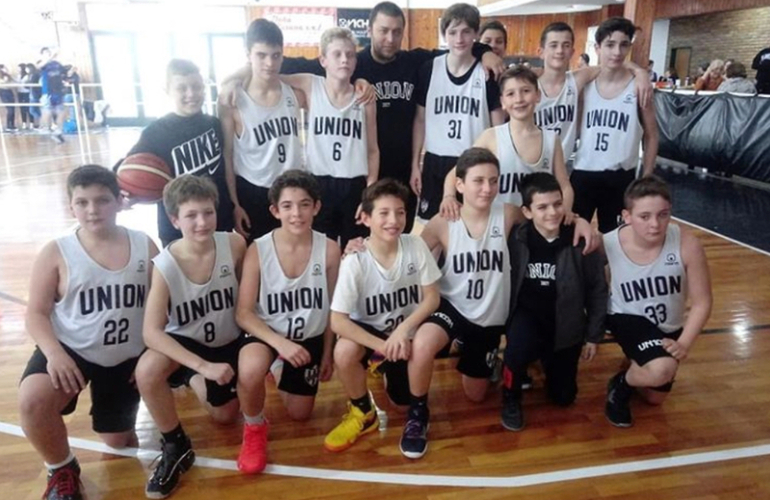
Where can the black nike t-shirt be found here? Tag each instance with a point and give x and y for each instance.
(189, 145)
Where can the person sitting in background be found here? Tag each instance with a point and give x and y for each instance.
(761, 63)
(653, 74)
(671, 76)
(712, 78)
(736, 80)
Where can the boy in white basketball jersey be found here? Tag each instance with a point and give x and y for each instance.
(560, 88)
(86, 307)
(288, 278)
(520, 146)
(654, 268)
(189, 324)
(475, 288)
(383, 294)
(613, 125)
(558, 300)
(341, 150)
(455, 105)
(261, 133)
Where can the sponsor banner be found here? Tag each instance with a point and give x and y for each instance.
(301, 26)
(357, 21)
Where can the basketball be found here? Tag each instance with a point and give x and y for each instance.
(143, 176)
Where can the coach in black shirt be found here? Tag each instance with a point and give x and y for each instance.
(393, 73)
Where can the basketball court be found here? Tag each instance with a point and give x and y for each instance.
(708, 441)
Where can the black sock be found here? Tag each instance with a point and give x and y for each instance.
(624, 390)
(418, 406)
(364, 404)
(175, 436)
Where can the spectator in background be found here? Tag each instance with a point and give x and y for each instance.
(7, 97)
(52, 97)
(736, 80)
(712, 78)
(72, 78)
(584, 61)
(34, 92)
(22, 94)
(653, 74)
(671, 75)
(761, 63)
(493, 34)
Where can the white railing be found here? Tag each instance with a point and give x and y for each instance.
(81, 121)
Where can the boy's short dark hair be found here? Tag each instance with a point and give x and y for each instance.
(538, 183)
(472, 157)
(613, 24)
(586, 58)
(180, 67)
(518, 73)
(494, 25)
(383, 187)
(736, 70)
(651, 185)
(88, 175)
(557, 27)
(185, 188)
(294, 179)
(264, 31)
(460, 12)
(388, 9)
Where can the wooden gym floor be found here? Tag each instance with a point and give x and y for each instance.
(711, 440)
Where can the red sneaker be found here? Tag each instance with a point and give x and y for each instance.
(253, 456)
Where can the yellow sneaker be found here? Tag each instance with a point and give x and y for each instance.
(354, 425)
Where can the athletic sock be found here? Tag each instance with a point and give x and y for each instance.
(257, 420)
(61, 464)
(176, 436)
(363, 403)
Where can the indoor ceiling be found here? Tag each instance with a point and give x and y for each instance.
(523, 7)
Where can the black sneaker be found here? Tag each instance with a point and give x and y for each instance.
(617, 409)
(512, 416)
(174, 461)
(414, 440)
(64, 483)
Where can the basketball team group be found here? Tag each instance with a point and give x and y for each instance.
(288, 251)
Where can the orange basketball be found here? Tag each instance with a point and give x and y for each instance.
(143, 176)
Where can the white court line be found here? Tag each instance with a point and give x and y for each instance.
(745, 245)
(46, 160)
(438, 480)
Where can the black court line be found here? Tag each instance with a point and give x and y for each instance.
(11, 298)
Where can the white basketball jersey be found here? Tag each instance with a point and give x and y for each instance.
(269, 143)
(100, 315)
(476, 276)
(559, 113)
(297, 308)
(610, 132)
(657, 291)
(385, 297)
(336, 141)
(204, 312)
(455, 115)
(513, 169)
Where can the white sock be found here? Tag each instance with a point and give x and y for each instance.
(61, 464)
(258, 420)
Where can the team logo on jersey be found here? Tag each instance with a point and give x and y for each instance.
(410, 269)
(290, 102)
(671, 259)
(311, 376)
(225, 271)
(570, 92)
(477, 84)
(141, 267)
(629, 98)
(316, 269)
(496, 233)
(546, 164)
